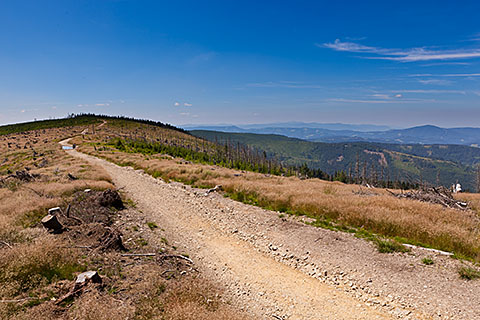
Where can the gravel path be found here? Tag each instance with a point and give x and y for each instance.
(281, 268)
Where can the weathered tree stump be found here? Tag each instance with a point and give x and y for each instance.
(51, 223)
(88, 276)
(81, 282)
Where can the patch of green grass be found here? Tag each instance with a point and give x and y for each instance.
(427, 261)
(32, 218)
(247, 198)
(142, 242)
(130, 203)
(281, 215)
(390, 246)
(152, 225)
(164, 240)
(31, 275)
(469, 273)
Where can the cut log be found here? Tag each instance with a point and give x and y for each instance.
(51, 223)
(54, 211)
(71, 176)
(139, 255)
(81, 282)
(89, 276)
(217, 188)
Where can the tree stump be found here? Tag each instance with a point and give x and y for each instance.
(89, 276)
(51, 223)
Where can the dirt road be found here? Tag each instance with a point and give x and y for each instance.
(279, 268)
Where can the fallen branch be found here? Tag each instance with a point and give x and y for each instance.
(177, 256)
(17, 300)
(6, 244)
(438, 195)
(138, 254)
(445, 253)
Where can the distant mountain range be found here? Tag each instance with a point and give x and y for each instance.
(337, 132)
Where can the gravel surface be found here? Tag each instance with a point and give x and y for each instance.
(281, 268)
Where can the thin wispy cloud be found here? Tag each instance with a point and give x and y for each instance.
(431, 91)
(385, 96)
(438, 82)
(285, 84)
(379, 101)
(402, 55)
(185, 104)
(203, 57)
(103, 104)
(446, 64)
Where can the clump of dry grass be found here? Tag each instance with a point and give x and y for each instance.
(29, 266)
(185, 298)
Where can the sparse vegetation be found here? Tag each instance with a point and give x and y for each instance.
(152, 225)
(390, 246)
(469, 273)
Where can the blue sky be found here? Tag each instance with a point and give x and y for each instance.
(382, 62)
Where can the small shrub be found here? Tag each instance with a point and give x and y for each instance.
(427, 261)
(142, 242)
(469, 273)
(152, 225)
(390, 246)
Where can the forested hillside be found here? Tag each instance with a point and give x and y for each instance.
(443, 164)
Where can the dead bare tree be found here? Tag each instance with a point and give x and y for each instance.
(478, 178)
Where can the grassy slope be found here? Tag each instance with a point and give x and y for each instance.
(47, 124)
(414, 162)
(37, 266)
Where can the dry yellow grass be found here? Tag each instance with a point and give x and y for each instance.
(32, 261)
